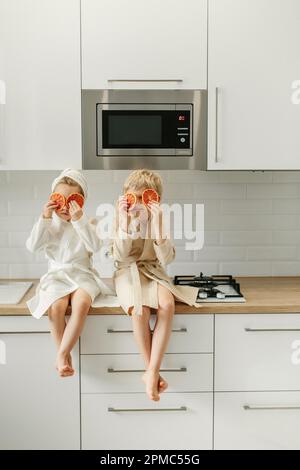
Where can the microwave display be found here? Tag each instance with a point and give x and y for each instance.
(161, 130)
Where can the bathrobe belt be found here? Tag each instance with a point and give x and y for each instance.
(136, 282)
(56, 266)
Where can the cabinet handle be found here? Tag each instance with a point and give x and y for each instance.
(2, 124)
(175, 330)
(142, 80)
(264, 330)
(118, 410)
(173, 369)
(217, 126)
(271, 407)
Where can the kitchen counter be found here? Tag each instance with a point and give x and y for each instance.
(263, 295)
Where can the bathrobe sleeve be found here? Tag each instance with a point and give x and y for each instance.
(120, 245)
(165, 252)
(87, 232)
(40, 235)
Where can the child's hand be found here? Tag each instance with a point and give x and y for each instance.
(75, 210)
(48, 209)
(156, 219)
(123, 215)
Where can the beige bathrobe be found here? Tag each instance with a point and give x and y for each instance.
(140, 268)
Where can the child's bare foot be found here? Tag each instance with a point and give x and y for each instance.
(162, 384)
(151, 379)
(64, 365)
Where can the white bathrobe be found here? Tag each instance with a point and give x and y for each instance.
(68, 247)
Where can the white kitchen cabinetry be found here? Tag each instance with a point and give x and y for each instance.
(253, 65)
(254, 420)
(40, 98)
(257, 381)
(144, 44)
(255, 352)
(115, 410)
(132, 421)
(38, 409)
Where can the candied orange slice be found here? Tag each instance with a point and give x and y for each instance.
(76, 197)
(131, 199)
(150, 195)
(59, 199)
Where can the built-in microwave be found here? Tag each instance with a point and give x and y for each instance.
(159, 129)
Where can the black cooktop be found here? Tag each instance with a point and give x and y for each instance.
(217, 288)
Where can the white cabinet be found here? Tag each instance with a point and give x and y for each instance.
(254, 64)
(40, 98)
(104, 373)
(38, 409)
(112, 334)
(132, 421)
(115, 410)
(144, 44)
(255, 352)
(263, 421)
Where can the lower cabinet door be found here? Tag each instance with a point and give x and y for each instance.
(38, 409)
(257, 420)
(132, 421)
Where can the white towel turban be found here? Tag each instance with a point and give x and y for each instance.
(76, 176)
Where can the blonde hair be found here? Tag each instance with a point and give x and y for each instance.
(70, 182)
(143, 178)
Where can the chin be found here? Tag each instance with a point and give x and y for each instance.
(65, 217)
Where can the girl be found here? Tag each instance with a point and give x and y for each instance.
(141, 250)
(68, 239)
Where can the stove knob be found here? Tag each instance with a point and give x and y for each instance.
(203, 295)
(220, 295)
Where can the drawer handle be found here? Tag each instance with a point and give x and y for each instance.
(118, 410)
(175, 369)
(143, 80)
(263, 330)
(175, 330)
(281, 407)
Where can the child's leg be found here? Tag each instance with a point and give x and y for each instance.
(56, 315)
(160, 338)
(80, 303)
(143, 336)
(142, 333)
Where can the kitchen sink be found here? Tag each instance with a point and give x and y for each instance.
(12, 292)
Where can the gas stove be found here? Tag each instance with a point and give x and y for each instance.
(216, 288)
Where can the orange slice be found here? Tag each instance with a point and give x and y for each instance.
(150, 195)
(76, 197)
(131, 199)
(59, 199)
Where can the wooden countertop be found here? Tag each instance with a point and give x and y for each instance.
(263, 295)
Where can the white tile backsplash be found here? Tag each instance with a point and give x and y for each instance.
(252, 219)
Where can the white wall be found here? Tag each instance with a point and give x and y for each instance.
(252, 220)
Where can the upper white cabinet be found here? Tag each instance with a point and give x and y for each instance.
(40, 118)
(253, 65)
(144, 44)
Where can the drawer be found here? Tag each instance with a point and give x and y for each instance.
(254, 352)
(132, 421)
(23, 324)
(122, 373)
(113, 334)
(257, 420)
